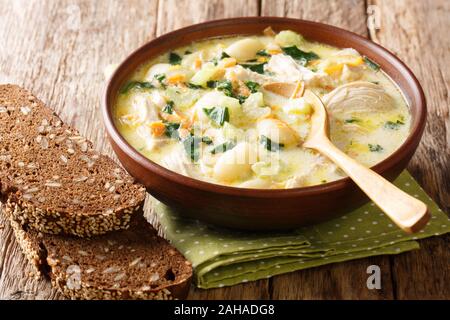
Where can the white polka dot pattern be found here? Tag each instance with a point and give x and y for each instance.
(224, 257)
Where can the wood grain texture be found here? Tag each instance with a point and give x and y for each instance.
(336, 281)
(58, 49)
(416, 31)
(175, 14)
(347, 14)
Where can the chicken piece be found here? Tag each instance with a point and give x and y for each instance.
(297, 181)
(157, 98)
(150, 140)
(357, 97)
(238, 72)
(350, 74)
(253, 107)
(143, 110)
(241, 89)
(344, 66)
(287, 70)
(353, 127)
(173, 73)
(177, 161)
(347, 52)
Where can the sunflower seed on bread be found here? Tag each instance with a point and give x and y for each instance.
(126, 264)
(52, 179)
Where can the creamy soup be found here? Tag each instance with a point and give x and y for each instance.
(212, 111)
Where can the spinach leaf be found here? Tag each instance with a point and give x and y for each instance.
(191, 145)
(258, 67)
(218, 114)
(222, 85)
(226, 87)
(136, 85)
(393, 125)
(188, 52)
(207, 140)
(160, 77)
(352, 120)
(263, 53)
(174, 58)
(372, 64)
(223, 55)
(215, 61)
(269, 144)
(302, 56)
(194, 86)
(223, 147)
(241, 98)
(172, 129)
(168, 108)
(211, 83)
(375, 147)
(253, 86)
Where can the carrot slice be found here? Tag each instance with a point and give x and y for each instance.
(157, 128)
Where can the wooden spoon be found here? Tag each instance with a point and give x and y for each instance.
(405, 211)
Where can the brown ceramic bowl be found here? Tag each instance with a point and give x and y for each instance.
(259, 209)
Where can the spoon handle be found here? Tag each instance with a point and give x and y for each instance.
(405, 211)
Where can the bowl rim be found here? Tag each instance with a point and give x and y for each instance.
(151, 166)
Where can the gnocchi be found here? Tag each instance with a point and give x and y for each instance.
(245, 49)
(277, 131)
(235, 164)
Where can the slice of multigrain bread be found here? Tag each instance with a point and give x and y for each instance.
(126, 264)
(51, 178)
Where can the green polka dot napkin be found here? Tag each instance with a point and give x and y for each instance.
(225, 257)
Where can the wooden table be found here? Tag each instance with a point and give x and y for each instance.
(59, 49)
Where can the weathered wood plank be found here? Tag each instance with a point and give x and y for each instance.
(348, 14)
(337, 281)
(58, 49)
(256, 290)
(169, 19)
(417, 32)
(344, 280)
(174, 14)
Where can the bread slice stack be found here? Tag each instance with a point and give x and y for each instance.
(77, 214)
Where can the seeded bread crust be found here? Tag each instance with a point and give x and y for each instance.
(127, 264)
(55, 179)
